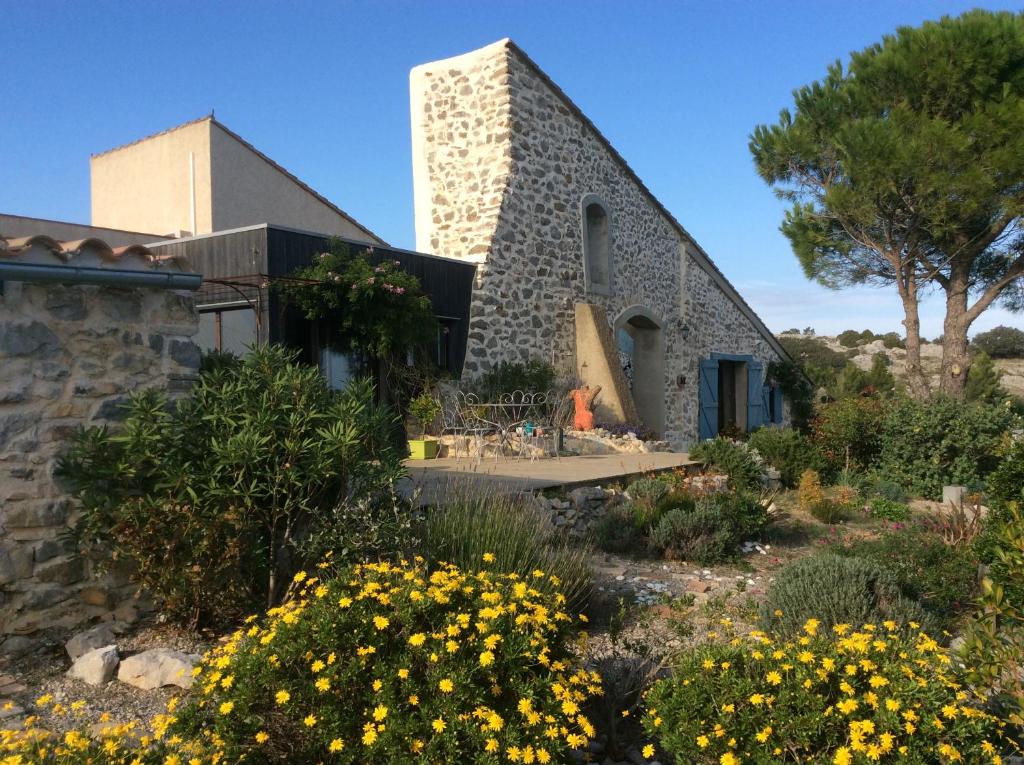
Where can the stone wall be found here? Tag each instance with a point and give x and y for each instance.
(503, 162)
(70, 355)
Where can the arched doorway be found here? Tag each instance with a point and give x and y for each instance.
(641, 344)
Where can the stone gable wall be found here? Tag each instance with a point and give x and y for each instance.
(502, 164)
(70, 355)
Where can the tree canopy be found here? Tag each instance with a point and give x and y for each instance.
(906, 167)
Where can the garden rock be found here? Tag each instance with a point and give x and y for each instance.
(96, 637)
(158, 667)
(96, 667)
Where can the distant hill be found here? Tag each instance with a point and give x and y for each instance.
(931, 359)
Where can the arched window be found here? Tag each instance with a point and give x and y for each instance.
(597, 251)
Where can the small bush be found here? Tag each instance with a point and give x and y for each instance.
(786, 450)
(616, 532)
(846, 434)
(836, 590)
(886, 509)
(1001, 342)
(821, 504)
(893, 340)
(941, 577)
(521, 539)
(533, 376)
(215, 502)
(733, 458)
(850, 338)
(710, 530)
(1006, 484)
(870, 693)
(397, 664)
(925, 445)
(649, 490)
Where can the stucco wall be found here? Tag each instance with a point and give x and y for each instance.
(146, 186)
(69, 356)
(502, 162)
(248, 190)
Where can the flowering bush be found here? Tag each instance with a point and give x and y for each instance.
(852, 695)
(393, 664)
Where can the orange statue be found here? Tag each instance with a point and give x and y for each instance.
(583, 399)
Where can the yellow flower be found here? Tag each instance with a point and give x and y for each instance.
(648, 751)
(842, 757)
(380, 622)
(262, 737)
(488, 557)
(309, 721)
(773, 678)
(486, 659)
(728, 759)
(811, 627)
(403, 674)
(417, 640)
(446, 686)
(323, 684)
(226, 707)
(336, 745)
(703, 741)
(438, 725)
(380, 712)
(282, 697)
(757, 699)
(764, 733)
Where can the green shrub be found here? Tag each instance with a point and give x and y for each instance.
(893, 340)
(215, 501)
(711, 529)
(819, 362)
(786, 450)
(1001, 343)
(616, 532)
(424, 409)
(1006, 483)
(521, 539)
(846, 434)
(835, 590)
(732, 458)
(650, 490)
(753, 700)
(533, 376)
(827, 505)
(850, 338)
(874, 485)
(797, 390)
(925, 445)
(397, 664)
(942, 578)
(886, 509)
(994, 645)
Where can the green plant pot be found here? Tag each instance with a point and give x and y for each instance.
(422, 449)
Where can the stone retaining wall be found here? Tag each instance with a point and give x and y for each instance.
(70, 355)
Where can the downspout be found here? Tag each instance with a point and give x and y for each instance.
(107, 277)
(192, 192)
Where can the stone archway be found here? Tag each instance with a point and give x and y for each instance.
(640, 338)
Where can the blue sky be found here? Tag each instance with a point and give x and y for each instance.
(322, 87)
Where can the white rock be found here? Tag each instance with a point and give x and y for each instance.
(96, 637)
(158, 667)
(96, 667)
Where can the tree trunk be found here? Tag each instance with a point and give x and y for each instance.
(956, 358)
(916, 380)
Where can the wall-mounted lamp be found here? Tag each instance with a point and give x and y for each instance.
(681, 380)
(684, 329)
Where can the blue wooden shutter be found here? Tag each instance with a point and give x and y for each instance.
(766, 405)
(755, 393)
(707, 399)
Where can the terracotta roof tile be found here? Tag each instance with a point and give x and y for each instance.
(135, 256)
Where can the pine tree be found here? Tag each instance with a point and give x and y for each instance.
(983, 380)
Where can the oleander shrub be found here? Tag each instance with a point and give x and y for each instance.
(733, 458)
(925, 445)
(521, 539)
(398, 664)
(710, 529)
(883, 508)
(786, 450)
(942, 578)
(212, 503)
(836, 590)
(616, 532)
(862, 693)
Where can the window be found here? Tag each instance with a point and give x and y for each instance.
(232, 330)
(597, 259)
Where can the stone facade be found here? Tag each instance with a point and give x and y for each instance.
(69, 356)
(504, 167)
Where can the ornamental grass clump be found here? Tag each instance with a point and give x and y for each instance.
(867, 694)
(395, 664)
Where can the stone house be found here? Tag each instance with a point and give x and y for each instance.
(577, 262)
